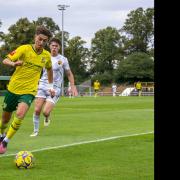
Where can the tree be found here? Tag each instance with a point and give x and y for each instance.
(22, 32)
(0, 41)
(1, 33)
(106, 50)
(48, 23)
(137, 66)
(139, 30)
(77, 55)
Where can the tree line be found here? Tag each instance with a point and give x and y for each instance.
(116, 55)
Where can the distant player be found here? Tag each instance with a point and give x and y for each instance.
(138, 87)
(29, 61)
(43, 98)
(114, 89)
(69, 90)
(96, 87)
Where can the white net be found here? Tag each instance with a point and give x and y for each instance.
(84, 89)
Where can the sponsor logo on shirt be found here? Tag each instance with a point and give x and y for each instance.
(59, 62)
(12, 53)
(43, 60)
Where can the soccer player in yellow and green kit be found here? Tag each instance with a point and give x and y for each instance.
(29, 61)
(138, 87)
(96, 87)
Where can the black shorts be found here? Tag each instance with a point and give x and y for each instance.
(96, 90)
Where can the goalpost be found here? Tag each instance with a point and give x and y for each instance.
(84, 89)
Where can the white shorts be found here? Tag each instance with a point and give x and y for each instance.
(43, 92)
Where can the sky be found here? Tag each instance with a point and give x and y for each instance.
(83, 18)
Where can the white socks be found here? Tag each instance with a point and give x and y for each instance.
(36, 123)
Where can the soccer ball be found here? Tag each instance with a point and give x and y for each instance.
(24, 159)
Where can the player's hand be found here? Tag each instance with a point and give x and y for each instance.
(18, 63)
(51, 89)
(74, 90)
(52, 92)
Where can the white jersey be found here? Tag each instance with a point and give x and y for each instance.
(59, 64)
(114, 88)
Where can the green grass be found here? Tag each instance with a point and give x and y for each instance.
(85, 119)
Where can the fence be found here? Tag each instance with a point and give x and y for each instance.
(85, 89)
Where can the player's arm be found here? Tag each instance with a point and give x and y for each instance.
(13, 58)
(70, 77)
(49, 70)
(11, 63)
(50, 80)
(50, 75)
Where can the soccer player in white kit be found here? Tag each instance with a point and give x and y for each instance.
(69, 90)
(43, 98)
(114, 89)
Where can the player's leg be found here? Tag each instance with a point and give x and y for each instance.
(39, 102)
(17, 120)
(70, 95)
(137, 92)
(9, 105)
(140, 91)
(24, 102)
(95, 94)
(6, 116)
(49, 105)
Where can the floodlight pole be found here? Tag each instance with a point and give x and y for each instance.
(62, 8)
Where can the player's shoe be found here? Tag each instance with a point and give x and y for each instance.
(1, 138)
(3, 147)
(34, 134)
(46, 121)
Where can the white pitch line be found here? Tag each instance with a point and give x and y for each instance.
(82, 142)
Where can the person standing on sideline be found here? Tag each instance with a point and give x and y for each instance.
(69, 90)
(43, 98)
(29, 60)
(138, 87)
(114, 89)
(96, 87)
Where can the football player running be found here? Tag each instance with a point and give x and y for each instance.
(29, 60)
(43, 98)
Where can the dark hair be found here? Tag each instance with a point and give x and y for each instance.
(55, 40)
(44, 31)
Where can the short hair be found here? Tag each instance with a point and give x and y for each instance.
(44, 31)
(55, 40)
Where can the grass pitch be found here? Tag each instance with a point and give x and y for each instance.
(85, 119)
